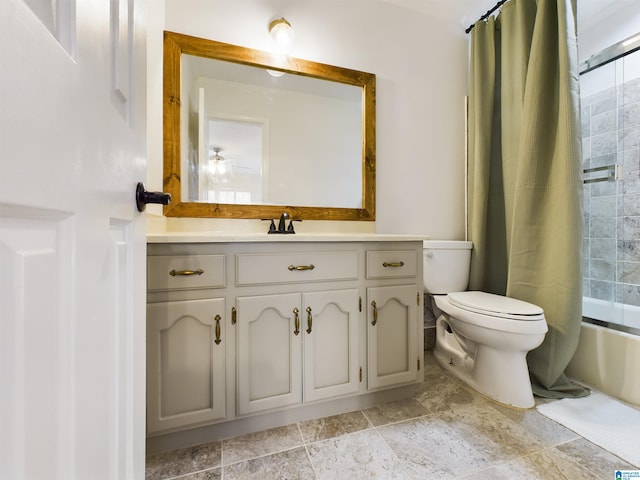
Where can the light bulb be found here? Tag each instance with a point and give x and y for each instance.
(282, 35)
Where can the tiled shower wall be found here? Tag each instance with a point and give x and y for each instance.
(610, 135)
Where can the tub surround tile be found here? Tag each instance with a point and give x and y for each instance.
(603, 144)
(602, 270)
(629, 272)
(602, 227)
(631, 91)
(630, 294)
(602, 161)
(631, 159)
(630, 138)
(585, 121)
(630, 228)
(601, 290)
(604, 122)
(611, 134)
(630, 115)
(603, 249)
(586, 151)
(603, 207)
(630, 250)
(603, 101)
(602, 189)
(631, 205)
(630, 182)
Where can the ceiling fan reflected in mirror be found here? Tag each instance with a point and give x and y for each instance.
(219, 169)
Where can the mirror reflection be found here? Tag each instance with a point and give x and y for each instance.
(257, 138)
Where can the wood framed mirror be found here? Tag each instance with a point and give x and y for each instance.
(251, 134)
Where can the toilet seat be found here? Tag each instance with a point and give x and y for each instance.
(495, 305)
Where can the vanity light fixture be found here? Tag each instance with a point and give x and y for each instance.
(282, 35)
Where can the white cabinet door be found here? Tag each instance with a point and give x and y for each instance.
(330, 329)
(269, 352)
(392, 317)
(185, 363)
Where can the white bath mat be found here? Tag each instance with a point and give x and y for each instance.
(602, 420)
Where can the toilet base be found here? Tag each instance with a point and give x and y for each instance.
(499, 375)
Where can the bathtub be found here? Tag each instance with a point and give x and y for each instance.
(607, 360)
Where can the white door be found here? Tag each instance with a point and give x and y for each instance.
(72, 244)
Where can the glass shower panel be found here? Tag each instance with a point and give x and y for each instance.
(610, 98)
(599, 140)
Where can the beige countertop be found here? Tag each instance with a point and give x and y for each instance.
(227, 237)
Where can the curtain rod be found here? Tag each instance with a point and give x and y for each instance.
(486, 15)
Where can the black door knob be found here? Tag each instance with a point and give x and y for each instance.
(143, 197)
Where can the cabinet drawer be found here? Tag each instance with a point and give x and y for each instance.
(185, 272)
(261, 269)
(391, 264)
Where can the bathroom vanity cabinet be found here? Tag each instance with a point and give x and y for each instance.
(251, 327)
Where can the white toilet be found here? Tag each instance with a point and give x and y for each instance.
(481, 338)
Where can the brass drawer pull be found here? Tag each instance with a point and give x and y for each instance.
(296, 312)
(217, 319)
(375, 313)
(309, 320)
(393, 264)
(186, 273)
(301, 267)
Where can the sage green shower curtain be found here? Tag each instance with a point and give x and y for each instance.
(524, 184)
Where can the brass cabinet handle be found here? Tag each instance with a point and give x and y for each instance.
(234, 315)
(301, 267)
(217, 319)
(186, 273)
(375, 313)
(309, 320)
(393, 264)
(297, 321)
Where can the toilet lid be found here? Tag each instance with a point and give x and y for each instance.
(496, 305)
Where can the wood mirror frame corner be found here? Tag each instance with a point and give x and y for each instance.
(175, 45)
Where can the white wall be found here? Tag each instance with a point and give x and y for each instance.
(420, 60)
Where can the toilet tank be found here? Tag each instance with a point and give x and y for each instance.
(446, 266)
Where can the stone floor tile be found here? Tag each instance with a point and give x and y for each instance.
(261, 443)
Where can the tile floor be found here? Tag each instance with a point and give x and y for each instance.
(446, 431)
